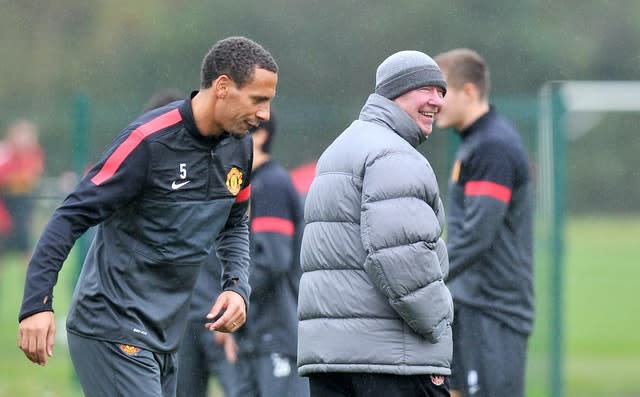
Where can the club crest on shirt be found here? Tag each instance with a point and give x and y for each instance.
(455, 171)
(129, 350)
(234, 180)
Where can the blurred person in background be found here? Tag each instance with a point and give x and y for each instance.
(173, 183)
(6, 225)
(267, 343)
(204, 353)
(21, 168)
(489, 235)
(302, 176)
(163, 98)
(374, 311)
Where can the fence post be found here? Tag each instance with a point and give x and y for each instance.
(557, 240)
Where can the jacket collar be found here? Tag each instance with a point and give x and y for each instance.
(186, 111)
(479, 123)
(382, 111)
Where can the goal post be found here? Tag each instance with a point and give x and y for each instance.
(556, 100)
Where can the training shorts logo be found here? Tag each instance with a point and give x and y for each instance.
(129, 350)
(437, 380)
(234, 181)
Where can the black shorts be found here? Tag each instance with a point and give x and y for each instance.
(489, 358)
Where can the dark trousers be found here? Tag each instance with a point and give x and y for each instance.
(269, 375)
(199, 358)
(334, 384)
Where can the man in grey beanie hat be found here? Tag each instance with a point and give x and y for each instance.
(405, 71)
(375, 315)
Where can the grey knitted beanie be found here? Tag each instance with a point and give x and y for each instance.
(405, 71)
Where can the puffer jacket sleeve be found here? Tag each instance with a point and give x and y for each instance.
(401, 225)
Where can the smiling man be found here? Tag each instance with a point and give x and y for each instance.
(374, 311)
(173, 182)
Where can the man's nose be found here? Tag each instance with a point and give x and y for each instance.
(436, 99)
(264, 113)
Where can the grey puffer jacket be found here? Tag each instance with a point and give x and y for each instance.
(372, 297)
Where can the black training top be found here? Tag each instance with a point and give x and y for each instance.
(276, 226)
(162, 194)
(489, 223)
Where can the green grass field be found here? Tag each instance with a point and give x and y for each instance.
(602, 317)
(19, 376)
(602, 307)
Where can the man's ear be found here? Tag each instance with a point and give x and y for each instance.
(221, 85)
(471, 90)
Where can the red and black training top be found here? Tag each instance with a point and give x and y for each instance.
(489, 223)
(161, 195)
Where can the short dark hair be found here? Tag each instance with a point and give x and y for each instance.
(236, 57)
(162, 98)
(270, 127)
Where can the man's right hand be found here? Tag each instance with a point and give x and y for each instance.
(36, 336)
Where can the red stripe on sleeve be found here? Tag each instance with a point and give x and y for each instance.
(111, 165)
(272, 224)
(244, 195)
(487, 188)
